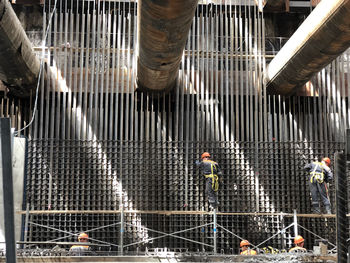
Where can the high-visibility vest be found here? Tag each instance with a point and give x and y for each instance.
(214, 177)
(318, 176)
(79, 250)
(248, 252)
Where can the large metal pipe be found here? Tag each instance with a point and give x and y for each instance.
(275, 6)
(19, 67)
(163, 27)
(323, 36)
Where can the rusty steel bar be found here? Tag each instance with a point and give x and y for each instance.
(198, 79)
(96, 73)
(128, 66)
(112, 86)
(103, 78)
(42, 90)
(232, 71)
(70, 84)
(117, 88)
(132, 72)
(59, 64)
(123, 61)
(65, 21)
(236, 78)
(163, 28)
(108, 92)
(211, 69)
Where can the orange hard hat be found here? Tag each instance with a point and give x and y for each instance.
(205, 155)
(327, 161)
(298, 239)
(83, 236)
(244, 243)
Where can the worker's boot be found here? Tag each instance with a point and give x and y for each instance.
(316, 209)
(328, 209)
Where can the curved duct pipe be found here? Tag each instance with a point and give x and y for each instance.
(163, 27)
(19, 66)
(275, 6)
(322, 37)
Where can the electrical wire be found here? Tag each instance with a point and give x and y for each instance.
(40, 70)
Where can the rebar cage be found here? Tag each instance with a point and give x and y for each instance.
(90, 180)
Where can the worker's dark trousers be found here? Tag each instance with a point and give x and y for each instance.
(319, 191)
(210, 193)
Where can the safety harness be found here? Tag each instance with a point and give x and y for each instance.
(214, 177)
(318, 176)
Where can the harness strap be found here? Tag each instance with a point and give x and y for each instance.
(318, 176)
(214, 179)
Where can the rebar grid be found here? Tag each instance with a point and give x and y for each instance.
(86, 176)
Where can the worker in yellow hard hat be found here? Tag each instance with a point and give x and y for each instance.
(80, 250)
(211, 172)
(299, 245)
(320, 175)
(245, 247)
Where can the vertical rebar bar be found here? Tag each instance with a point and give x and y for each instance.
(122, 227)
(341, 206)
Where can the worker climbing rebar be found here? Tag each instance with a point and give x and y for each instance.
(320, 175)
(212, 173)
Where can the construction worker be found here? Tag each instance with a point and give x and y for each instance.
(211, 172)
(319, 175)
(245, 247)
(80, 250)
(299, 245)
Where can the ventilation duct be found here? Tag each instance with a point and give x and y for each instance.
(163, 29)
(322, 37)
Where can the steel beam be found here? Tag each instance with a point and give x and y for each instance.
(163, 28)
(19, 67)
(323, 36)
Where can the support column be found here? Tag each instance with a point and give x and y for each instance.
(7, 183)
(214, 230)
(295, 218)
(341, 206)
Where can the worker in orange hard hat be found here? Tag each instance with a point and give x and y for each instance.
(80, 250)
(211, 172)
(299, 245)
(320, 175)
(245, 247)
